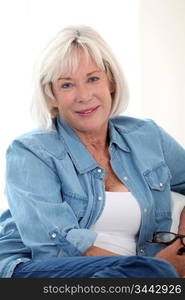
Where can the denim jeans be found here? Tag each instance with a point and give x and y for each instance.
(96, 266)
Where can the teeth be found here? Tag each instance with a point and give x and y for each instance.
(87, 111)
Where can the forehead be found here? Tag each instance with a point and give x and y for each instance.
(84, 68)
(78, 61)
(75, 61)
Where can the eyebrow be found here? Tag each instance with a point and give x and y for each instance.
(88, 74)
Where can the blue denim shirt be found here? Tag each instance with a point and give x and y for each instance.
(55, 189)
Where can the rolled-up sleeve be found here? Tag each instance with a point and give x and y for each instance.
(46, 223)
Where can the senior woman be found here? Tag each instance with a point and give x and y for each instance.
(88, 189)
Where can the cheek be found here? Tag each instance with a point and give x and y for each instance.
(103, 92)
(64, 101)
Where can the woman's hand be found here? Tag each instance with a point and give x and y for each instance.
(170, 254)
(96, 251)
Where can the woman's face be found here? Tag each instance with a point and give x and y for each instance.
(83, 98)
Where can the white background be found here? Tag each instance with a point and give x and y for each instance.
(147, 36)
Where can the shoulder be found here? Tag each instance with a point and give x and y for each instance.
(127, 124)
(39, 142)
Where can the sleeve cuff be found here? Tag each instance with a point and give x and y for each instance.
(82, 239)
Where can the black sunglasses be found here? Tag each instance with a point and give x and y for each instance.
(167, 238)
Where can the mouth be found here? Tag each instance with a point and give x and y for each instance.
(88, 111)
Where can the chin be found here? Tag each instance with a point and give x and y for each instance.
(91, 125)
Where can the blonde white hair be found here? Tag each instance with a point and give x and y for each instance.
(62, 55)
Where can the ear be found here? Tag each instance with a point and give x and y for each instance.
(50, 93)
(54, 102)
(112, 87)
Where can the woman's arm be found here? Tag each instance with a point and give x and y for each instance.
(46, 223)
(97, 251)
(174, 155)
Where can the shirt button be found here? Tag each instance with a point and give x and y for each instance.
(160, 184)
(125, 178)
(53, 235)
(99, 170)
(100, 198)
(142, 251)
(145, 209)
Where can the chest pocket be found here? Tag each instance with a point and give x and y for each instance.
(159, 177)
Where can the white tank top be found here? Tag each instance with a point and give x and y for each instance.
(118, 224)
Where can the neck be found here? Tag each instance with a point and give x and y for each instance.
(94, 141)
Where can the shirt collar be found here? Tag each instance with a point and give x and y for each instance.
(80, 156)
(116, 135)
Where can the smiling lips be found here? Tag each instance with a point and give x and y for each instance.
(88, 111)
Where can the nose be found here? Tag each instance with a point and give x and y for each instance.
(83, 93)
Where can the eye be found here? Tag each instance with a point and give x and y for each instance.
(67, 85)
(93, 79)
